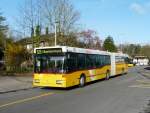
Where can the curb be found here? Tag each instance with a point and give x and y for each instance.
(16, 90)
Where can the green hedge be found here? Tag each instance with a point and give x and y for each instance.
(18, 69)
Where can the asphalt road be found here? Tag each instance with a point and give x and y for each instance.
(123, 94)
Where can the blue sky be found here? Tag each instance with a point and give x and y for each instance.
(127, 21)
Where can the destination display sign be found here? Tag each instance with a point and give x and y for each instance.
(48, 51)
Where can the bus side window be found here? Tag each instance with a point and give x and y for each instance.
(80, 61)
(93, 57)
(127, 60)
(88, 64)
(90, 61)
(107, 60)
(71, 63)
(102, 60)
(98, 61)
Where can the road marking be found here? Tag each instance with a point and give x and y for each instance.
(140, 86)
(26, 99)
(144, 81)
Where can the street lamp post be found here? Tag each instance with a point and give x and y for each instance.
(56, 33)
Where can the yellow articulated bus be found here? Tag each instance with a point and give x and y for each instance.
(63, 66)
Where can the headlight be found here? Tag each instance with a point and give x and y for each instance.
(37, 81)
(59, 81)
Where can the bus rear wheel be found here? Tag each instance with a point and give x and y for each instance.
(123, 71)
(82, 81)
(107, 75)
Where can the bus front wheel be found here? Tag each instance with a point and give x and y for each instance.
(82, 81)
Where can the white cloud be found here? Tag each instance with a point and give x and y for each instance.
(138, 8)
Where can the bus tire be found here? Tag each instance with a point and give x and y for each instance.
(82, 81)
(107, 75)
(123, 71)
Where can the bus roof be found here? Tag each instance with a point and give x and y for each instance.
(141, 57)
(81, 50)
(121, 54)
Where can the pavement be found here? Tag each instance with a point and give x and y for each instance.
(129, 93)
(15, 83)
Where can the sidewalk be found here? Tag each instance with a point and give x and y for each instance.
(15, 83)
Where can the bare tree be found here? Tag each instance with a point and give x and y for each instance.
(51, 14)
(62, 12)
(30, 16)
(46, 13)
(90, 39)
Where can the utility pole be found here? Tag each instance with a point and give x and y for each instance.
(56, 33)
(32, 36)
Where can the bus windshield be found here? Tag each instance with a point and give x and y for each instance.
(49, 64)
